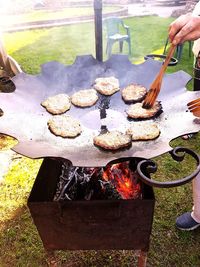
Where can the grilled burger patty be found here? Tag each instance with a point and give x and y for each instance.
(145, 130)
(136, 111)
(107, 85)
(112, 140)
(84, 98)
(134, 93)
(57, 104)
(64, 125)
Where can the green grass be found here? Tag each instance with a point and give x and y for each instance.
(20, 244)
(63, 44)
(33, 48)
(41, 15)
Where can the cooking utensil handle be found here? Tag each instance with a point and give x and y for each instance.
(148, 166)
(168, 58)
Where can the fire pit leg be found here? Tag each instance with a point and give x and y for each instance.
(51, 260)
(142, 259)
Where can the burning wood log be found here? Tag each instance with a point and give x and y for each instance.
(124, 179)
(117, 181)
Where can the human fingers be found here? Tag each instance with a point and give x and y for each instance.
(177, 25)
(190, 31)
(190, 37)
(181, 36)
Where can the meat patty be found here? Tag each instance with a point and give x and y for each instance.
(64, 125)
(136, 111)
(57, 104)
(145, 130)
(112, 140)
(84, 98)
(107, 85)
(134, 93)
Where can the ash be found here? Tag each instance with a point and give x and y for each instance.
(83, 183)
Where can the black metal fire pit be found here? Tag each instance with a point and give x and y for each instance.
(98, 224)
(103, 224)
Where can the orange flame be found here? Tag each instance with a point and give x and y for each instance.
(124, 180)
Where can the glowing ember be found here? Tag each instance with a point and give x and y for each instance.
(124, 180)
(116, 181)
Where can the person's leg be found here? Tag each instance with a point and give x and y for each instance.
(191, 220)
(196, 85)
(196, 199)
(196, 72)
(196, 182)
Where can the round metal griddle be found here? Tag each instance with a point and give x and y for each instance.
(26, 120)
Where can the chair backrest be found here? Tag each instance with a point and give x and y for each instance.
(112, 25)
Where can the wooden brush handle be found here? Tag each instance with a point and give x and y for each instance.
(168, 58)
(193, 102)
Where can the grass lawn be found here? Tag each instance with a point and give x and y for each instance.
(20, 244)
(41, 15)
(33, 48)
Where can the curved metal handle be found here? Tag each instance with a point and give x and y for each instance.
(172, 62)
(178, 154)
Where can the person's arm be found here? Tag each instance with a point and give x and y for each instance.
(184, 28)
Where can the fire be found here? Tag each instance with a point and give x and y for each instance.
(124, 180)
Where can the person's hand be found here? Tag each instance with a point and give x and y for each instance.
(184, 28)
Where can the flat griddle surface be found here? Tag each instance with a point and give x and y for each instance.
(26, 120)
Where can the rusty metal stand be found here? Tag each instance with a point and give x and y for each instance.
(51, 260)
(178, 154)
(142, 259)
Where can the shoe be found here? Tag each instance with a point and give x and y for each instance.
(187, 136)
(186, 222)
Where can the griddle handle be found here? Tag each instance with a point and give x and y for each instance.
(145, 167)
